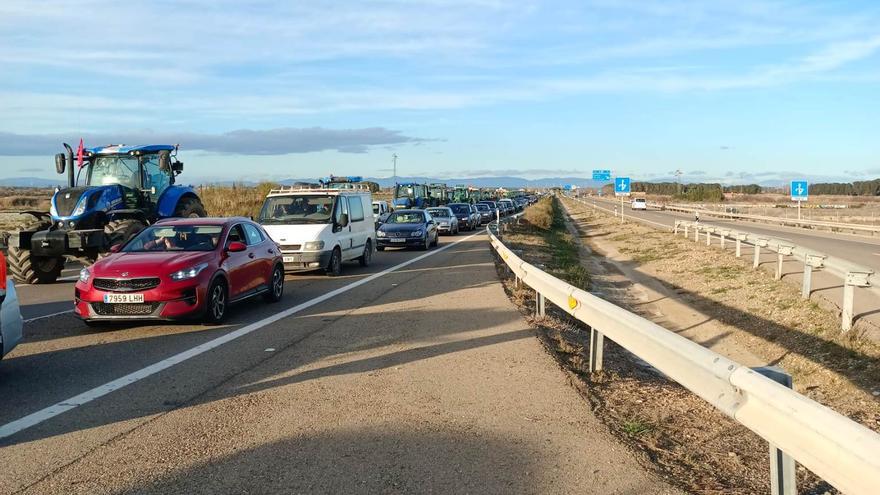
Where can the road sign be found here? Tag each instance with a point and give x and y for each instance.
(602, 175)
(621, 186)
(566, 187)
(800, 190)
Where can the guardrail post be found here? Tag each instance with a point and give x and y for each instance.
(853, 279)
(540, 305)
(696, 233)
(810, 261)
(724, 234)
(597, 344)
(758, 245)
(709, 236)
(685, 231)
(782, 252)
(675, 228)
(782, 467)
(739, 238)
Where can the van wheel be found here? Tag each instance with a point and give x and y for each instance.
(334, 266)
(367, 257)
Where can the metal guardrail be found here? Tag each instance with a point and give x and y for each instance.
(841, 451)
(793, 222)
(852, 274)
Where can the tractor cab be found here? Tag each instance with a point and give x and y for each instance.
(437, 192)
(411, 195)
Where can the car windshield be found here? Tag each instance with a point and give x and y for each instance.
(114, 169)
(438, 212)
(406, 217)
(175, 238)
(460, 209)
(297, 209)
(483, 207)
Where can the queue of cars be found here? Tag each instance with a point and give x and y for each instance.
(184, 268)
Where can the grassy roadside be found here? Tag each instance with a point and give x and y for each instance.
(669, 429)
(546, 219)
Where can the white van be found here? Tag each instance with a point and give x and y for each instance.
(320, 228)
(639, 204)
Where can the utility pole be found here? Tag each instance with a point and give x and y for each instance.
(678, 173)
(394, 162)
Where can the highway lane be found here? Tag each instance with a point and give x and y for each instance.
(60, 357)
(857, 249)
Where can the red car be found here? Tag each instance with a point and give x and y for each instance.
(179, 268)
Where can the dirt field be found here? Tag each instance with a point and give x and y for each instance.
(748, 317)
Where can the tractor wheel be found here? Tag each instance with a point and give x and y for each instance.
(190, 208)
(27, 269)
(120, 231)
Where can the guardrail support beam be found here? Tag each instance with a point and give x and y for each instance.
(540, 305)
(597, 344)
(810, 261)
(685, 230)
(739, 239)
(758, 245)
(853, 279)
(782, 468)
(708, 237)
(696, 233)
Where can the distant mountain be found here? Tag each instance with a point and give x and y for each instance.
(31, 182)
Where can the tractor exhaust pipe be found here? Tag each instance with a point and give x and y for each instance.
(71, 181)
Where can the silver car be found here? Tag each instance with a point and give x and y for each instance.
(10, 317)
(447, 223)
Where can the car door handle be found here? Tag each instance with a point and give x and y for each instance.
(251, 255)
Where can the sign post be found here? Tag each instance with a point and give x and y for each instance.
(800, 191)
(622, 188)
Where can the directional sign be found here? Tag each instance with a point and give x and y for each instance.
(621, 186)
(800, 190)
(602, 175)
(566, 187)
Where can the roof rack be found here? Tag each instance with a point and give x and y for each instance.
(319, 188)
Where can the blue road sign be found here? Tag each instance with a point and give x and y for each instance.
(566, 187)
(800, 190)
(602, 175)
(621, 186)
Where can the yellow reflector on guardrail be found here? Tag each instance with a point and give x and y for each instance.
(572, 303)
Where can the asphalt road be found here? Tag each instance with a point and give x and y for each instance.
(415, 374)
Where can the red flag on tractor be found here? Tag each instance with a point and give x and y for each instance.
(79, 154)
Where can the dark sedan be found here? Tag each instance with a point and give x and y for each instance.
(464, 214)
(407, 228)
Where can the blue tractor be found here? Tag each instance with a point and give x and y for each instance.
(116, 192)
(411, 195)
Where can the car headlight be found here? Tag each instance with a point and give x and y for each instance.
(313, 246)
(188, 273)
(416, 233)
(85, 275)
(380, 233)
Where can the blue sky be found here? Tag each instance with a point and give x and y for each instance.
(736, 91)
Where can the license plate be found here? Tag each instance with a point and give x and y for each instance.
(398, 240)
(289, 259)
(123, 298)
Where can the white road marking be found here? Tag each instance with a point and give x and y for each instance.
(35, 318)
(50, 412)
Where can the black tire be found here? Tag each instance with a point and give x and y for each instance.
(276, 285)
(120, 231)
(334, 266)
(436, 240)
(427, 244)
(367, 257)
(217, 302)
(27, 269)
(190, 207)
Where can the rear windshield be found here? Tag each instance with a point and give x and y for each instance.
(404, 217)
(481, 206)
(439, 212)
(297, 209)
(175, 238)
(459, 209)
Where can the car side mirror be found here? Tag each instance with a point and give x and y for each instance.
(116, 248)
(59, 163)
(236, 247)
(343, 220)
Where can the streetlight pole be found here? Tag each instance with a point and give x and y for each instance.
(394, 162)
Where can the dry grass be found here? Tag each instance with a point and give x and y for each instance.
(540, 214)
(235, 200)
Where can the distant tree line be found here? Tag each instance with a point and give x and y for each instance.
(858, 188)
